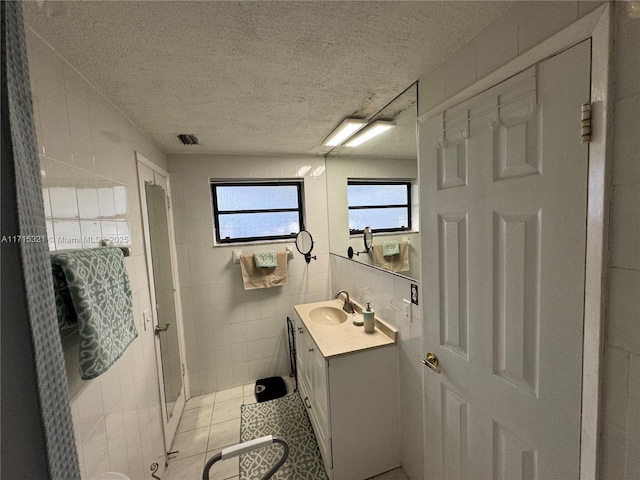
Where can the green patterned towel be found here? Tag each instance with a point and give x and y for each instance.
(390, 248)
(93, 292)
(266, 259)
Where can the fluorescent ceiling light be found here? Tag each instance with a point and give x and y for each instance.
(347, 128)
(376, 128)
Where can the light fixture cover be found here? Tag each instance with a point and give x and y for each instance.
(348, 127)
(376, 128)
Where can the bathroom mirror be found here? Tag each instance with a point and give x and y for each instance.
(304, 244)
(163, 281)
(367, 235)
(389, 157)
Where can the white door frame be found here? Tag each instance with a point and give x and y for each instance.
(596, 25)
(174, 267)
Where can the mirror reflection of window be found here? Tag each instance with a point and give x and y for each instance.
(385, 206)
(392, 212)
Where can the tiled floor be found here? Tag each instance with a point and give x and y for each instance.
(210, 423)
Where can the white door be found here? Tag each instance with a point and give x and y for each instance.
(163, 287)
(503, 180)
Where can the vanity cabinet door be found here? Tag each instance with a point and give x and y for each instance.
(302, 358)
(312, 383)
(318, 407)
(320, 401)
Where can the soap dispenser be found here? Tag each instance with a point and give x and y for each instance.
(369, 321)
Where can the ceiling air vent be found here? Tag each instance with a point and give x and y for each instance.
(188, 139)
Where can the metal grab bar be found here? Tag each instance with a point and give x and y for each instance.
(245, 447)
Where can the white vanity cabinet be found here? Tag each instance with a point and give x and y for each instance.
(352, 401)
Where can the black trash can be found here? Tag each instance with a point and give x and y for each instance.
(270, 388)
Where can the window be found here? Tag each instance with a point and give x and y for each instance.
(385, 206)
(247, 211)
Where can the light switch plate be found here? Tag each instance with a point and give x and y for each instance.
(146, 317)
(406, 309)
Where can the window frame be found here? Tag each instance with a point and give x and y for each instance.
(214, 183)
(370, 182)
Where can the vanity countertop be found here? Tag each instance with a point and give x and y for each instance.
(344, 338)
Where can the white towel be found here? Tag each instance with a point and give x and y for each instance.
(255, 277)
(394, 263)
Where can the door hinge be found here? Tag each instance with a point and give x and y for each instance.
(182, 365)
(585, 123)
(168, 203)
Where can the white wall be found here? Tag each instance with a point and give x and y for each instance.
(86, 149)
(621, 429)
(235, 336)
(386, 292)
(513, 33)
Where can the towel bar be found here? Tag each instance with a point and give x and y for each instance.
(126, 251)
(237, 253)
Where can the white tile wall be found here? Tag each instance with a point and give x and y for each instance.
(386, 293)
(234, 336)
(460, 68)
(537, 21)
(497, 43)
(525, 25)
(431, 89)
(517, 30)
(90, 189)
(621, 439)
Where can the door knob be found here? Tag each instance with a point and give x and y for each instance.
(432, 362)
(159, 329)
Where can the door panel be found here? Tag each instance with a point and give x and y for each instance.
(503, 180)
(162, 276)
(517, 299)
(455, 434)
(454, 316)
(512, 458)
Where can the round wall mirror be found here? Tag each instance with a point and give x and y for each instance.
(304, 244)
(368, 238)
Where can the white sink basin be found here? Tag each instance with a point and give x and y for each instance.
(327, 315)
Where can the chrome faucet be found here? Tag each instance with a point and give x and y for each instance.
(348, 306)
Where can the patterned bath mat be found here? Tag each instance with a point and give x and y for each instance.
(287, 418)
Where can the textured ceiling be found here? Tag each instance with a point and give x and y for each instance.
(254, 77)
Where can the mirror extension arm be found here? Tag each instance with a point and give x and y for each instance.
(367, 235)
(304, 244)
